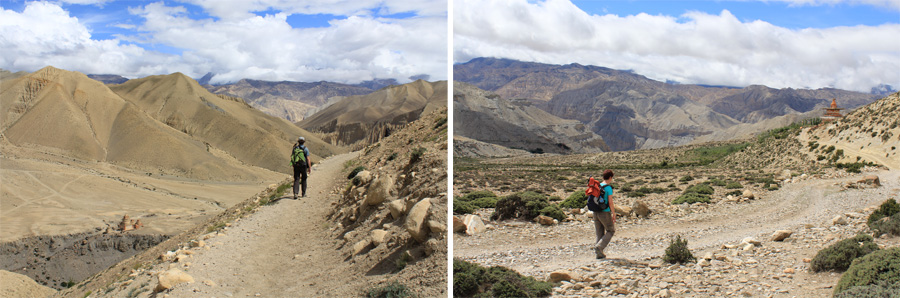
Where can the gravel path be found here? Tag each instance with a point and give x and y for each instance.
(806, 207)
(283, 250)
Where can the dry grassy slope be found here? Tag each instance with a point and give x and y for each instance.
(223, 122)
(81, 117)
(487, 117)
(414, 181)
(871, 132)
(367, 118)
(466, 147)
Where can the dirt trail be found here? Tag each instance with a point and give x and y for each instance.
(867, 154)
(282, 250)
(537, 250)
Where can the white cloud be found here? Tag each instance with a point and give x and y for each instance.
(243, 45)
(695, 48)
(894, 4)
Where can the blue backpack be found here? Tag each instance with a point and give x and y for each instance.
(598, 204)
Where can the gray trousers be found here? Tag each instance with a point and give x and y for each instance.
(605, 228)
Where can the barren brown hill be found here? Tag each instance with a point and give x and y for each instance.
(289, 100)
(490, 118)
(362, 120)
(223, 122)
(68, 113)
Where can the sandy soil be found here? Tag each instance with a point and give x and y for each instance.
(44, 194)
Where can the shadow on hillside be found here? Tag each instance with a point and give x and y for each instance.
(388, 264)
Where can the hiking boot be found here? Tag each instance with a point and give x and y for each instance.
(599, 253)
(295, 197)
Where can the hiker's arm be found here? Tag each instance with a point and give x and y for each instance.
(612, 208)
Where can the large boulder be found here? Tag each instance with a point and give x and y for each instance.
(415, 220)
(748, 194)
(458, 225)
(361, 246)
(871, 180)
(379, 236)
(363, 177)
(380, 190)
(172, 277)
(839, 220)
(623, 210)
(473, 224)
(641, 209)
(562, 275)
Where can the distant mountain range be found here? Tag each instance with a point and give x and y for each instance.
(630, 111)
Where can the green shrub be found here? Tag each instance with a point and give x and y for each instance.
(878, 290)
(736, 193)
(733, 185)
(700, 189)
(554, 212)
(485, 202)
(880, 267)
(462, 207)
(416, 154)
(838, 256)
(523, 205)
(686, 178)
(576, 200)
(887, 225)
(478, 194)
(887, 209)
(392, 157)
(355, 171)
(392, 290)
(691, 198)
(678, 251)
(470, 279)
(717, 182)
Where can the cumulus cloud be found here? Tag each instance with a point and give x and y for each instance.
(893, 4)
(695, 48)
(237, 43)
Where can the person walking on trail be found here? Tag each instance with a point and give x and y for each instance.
(302, 169)
(600, 202)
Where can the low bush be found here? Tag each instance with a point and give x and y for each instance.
(704, 189)
(678, 251)
(887, 225)
(686, 178)
(838, 256)
(717, 182)
(523, 205)
(878, 290)
(462, 207)
(554, 212)
(576, 200)
(887, 209)
(471, 280)
(691, 198)
(392, 290)
(736, 193)
(878, 268)
(485, 202)
(416, 154)
(478, 194)
(733, 185)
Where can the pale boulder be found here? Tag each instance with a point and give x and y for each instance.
(415, 221)
(363, 177)
(780, 235)
(623, 210)
(561, 275)
(458, 225)
(544, 220)
(748, 194)
(379, 236)
(436, 227)
(641, 209)
(839, 220)
(397, 208)
(473, 224)
(172, 277)
(361, 246)
(380, 190)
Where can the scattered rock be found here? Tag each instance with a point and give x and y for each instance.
(473, 224)
(751, 240)
(197, 243)
(361, 246)
(458, 225)
(415, 221)
(641, 209)
(544, 220)
(436, 227)
(872, 180)
(364, 177)
(780, 235)
(561, 275)
(209, 283)
(789, 270)
(623, 211)
(839, 220)
(379, 236)
(748, 194)
(172, 277)
(397, 208)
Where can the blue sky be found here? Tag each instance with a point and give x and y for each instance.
(847, 44)
(781, 14)
(343, 40)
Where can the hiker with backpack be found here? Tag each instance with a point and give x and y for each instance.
(600, 202)
(301, 164)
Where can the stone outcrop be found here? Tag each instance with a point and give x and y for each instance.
(171, 278)
(380, 190)
(415, 220)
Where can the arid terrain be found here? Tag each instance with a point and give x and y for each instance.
(761, 185)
